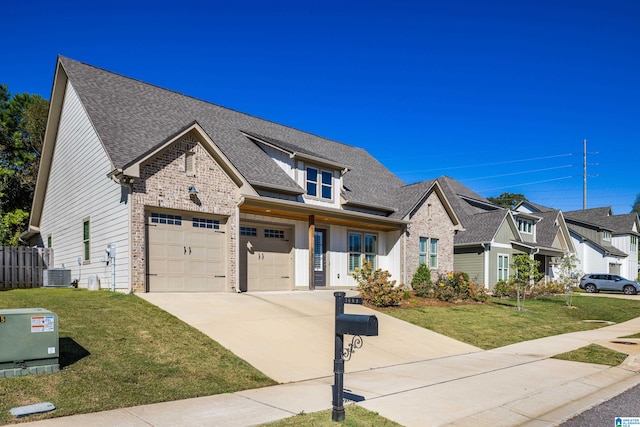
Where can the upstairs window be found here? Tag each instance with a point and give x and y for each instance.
(606, 236)
(634, 243)
(525, 226)
(319, 183)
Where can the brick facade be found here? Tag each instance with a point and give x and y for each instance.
(431, 220)
(164, 183)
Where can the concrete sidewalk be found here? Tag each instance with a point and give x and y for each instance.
(513, 385)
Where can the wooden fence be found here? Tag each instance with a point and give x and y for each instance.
(22, 267)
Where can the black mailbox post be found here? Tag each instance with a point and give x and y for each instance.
(347, 324)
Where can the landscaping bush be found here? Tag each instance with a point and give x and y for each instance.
(456, 286)
(376, 288)
(504, 289)
(549, 288)
(421, 282)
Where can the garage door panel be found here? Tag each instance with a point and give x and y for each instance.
(185, 258)
(265, 260)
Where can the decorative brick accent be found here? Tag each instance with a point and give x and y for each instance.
(431, 220)
(164, 183)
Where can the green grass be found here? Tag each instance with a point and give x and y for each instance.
(118, 351)
(594, 353)
(632, 336)
(355, 416)
(498, 323)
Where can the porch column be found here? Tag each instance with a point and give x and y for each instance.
(312, 244)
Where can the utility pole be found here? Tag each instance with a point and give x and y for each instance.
(584, 176)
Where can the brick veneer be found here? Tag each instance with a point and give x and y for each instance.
(163, 183)
(432, 221)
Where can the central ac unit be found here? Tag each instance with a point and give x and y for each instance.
(56, 278)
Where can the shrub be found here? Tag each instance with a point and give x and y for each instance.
(504, 289)
(456, 286)
(421, 282)
(375, 287)
(549, 288)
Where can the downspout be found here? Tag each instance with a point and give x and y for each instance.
(485, 263)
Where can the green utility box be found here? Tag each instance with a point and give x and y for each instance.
(29, 342)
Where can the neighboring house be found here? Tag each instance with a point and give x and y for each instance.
(197, 197)
(605, 243)
(492, 235)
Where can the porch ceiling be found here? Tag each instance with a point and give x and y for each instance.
(302, 212)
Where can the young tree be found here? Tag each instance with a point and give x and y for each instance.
(569, 276)
(525, 275)
(23, 119)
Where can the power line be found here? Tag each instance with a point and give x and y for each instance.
(489, 164)
(518, 173)
(528, 183)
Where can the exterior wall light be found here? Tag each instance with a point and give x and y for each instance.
(193, 190)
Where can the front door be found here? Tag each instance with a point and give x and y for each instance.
(320, 257)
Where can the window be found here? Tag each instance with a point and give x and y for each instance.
(327, 179)
(273, 233)
(49, 241)
(634, 243)
(158, 218)
(322, 179)
(525, 225)
(190, 163)
(423, 252)
(362, 245)
(211, 224)
(503, 267)
(86, 247)
(428, 249)
(433, 253)
(606, 236)
(248, 231)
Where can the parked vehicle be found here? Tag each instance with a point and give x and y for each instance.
(608, 282)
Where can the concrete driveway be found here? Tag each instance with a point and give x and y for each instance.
(289, 336)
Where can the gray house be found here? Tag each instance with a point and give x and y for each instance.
(191, 196)
(492, 235)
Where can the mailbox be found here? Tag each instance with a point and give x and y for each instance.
(357, 324)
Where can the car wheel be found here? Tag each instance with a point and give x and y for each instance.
(629, 290)
(591, 288)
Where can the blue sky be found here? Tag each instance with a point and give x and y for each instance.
(497, 94)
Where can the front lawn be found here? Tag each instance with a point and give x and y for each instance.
(118, 351)
(498, 323)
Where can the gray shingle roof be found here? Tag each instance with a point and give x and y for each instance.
(408, 196)
(622, 224)
(133, 118)
(481, 227)
(546, 228)
(594, 216)
(462, 199)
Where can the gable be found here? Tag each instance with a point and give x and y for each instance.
(507, 232)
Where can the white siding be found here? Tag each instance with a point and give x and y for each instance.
(629, 268)
(78, 188)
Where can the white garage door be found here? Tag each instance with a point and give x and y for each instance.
(265, 258)
(186, 253)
